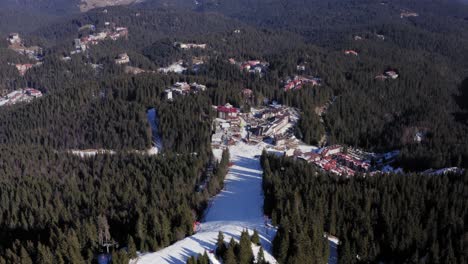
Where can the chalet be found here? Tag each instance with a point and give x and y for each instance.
(14, 38)
(380, 36)
(120, 32)
(227, 111)
(351, 52)
(197, 87)
(357, 38)
(299, 81)
(180, 88)
(123, 58)
(301, 67)
(391, 74)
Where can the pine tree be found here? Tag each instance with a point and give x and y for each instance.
(255, 238)
(229, 256)
(261, 256)
(220, 245)
(245, 249)
(192, 260)
(132, 252)
(44, 255)
(25, 258)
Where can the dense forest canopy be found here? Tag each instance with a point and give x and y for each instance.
(389, 218)
(90, 102)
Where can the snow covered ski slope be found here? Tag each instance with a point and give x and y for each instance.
(237, 207)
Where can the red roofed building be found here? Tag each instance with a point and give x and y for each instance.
(33, 92)
(227, 111)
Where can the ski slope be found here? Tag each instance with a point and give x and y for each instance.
(236, 208)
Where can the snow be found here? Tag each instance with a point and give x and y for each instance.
(333, 257)
(91, 152)
(175, 67)
(307, 148)
(236, 208)
(153, 120)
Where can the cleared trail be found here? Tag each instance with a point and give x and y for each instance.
(236, 208)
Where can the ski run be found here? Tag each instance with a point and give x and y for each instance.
(236, 208)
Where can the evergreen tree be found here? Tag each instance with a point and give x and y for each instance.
(132, 252)
(255, 238)
(245, 249)
(220, 245)
(229, 256)
(261, 256)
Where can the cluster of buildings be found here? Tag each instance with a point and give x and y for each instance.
(347, 162)
(114, 33)
(189, 45)
(16, 44)
(269, 124)
(22, 95)
(251, 66)
(389, 74)
(183, 88)
(297, 82)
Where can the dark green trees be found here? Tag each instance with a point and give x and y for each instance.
(399, 218)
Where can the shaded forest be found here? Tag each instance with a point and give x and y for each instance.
(389, 218)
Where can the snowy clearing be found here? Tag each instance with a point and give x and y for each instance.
(236, 208)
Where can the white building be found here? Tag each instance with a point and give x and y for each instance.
(123, 58)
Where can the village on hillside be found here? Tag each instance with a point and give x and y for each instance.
(111, 32)
(16, 44)
(272, 128)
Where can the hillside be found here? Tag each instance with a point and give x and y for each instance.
(347, 92)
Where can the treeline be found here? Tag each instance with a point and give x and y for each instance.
(383, 218)
(234, 252)
(59, 208)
